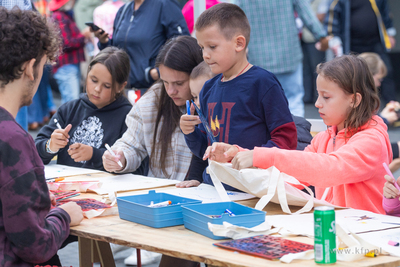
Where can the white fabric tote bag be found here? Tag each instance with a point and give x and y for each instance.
(267, 184)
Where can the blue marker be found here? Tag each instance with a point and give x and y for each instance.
(188, 107)
(229, 212)
(205, 123)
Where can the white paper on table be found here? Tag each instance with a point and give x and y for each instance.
(381, 239)
(101, 212)
(356, 221)
(129, 182)
(235, 232)
(206, 193)
(58, 170)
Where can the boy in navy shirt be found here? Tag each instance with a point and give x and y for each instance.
(244, 104)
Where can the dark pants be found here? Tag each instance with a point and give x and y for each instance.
(311, 58)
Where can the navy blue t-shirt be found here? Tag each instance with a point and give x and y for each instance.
(250, 110)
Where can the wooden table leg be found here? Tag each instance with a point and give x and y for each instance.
(91, 251)
(105, 254)
(85, 252)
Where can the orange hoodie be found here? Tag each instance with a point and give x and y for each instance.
(352, 168)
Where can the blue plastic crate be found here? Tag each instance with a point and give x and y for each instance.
(196, 216)
(136, 209)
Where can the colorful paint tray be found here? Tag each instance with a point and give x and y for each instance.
(197, 216)
(136, 209)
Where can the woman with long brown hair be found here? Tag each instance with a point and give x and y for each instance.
(153, 122)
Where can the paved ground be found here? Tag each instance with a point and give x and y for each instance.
(69, 254)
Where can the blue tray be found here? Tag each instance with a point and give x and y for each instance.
(135, 209)
(196, 216)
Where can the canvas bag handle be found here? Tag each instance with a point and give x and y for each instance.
(276, 184)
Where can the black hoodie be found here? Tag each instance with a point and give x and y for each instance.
(90, 126)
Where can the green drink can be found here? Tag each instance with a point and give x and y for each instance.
(324, 235)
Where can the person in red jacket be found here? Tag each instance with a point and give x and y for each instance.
(345, 161)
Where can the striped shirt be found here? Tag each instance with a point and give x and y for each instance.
(274, 41)
(137, 141)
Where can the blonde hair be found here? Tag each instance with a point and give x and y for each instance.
(375, 63)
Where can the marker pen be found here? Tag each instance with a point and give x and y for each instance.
(113, 154)
(160, 204)
(188, 107)
(229, 212)
(393, 243)
(57, 124)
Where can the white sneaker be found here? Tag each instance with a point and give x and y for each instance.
(147, 257)
(117, 248)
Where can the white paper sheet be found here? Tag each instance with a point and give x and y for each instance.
(207, 193)
(382, 238)
(58, 170)
(129, 182)
(357, 221)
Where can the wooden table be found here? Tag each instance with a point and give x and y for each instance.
(95, 234)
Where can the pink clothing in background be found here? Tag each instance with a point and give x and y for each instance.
(104, 16)
(188, 14)
(352, 168)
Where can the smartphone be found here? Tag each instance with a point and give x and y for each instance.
(94, 27)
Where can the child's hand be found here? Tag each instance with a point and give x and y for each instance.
(60, 138)
(110, 162)
(190, 183)
(52, 199)
(389, 189)
(188, 122)
(389, 112)
(243, 160)
(221, 152)
(80, 152)
(74, 211)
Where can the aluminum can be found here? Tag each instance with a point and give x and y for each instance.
(324, 235)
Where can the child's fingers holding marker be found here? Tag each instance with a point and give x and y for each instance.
(110, 162)
(188, 123)
(389, 189)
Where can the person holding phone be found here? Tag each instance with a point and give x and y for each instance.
(141, 27)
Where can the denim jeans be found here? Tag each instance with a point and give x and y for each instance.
(22, 117)
(292, 84)
(68, 77)
(42, 102)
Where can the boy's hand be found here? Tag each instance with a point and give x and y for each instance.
(221, 152)
(74, 211)
(60, 138)
(389, 190)
(190, 183)
(110, 162)
(80, 152)
(243, 160)
(188, 122)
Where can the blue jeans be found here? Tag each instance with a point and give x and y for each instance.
(22, 117)
(42, 102)
(67, 77)
(292, 84)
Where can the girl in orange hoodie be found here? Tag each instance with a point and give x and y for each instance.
(344, 163)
